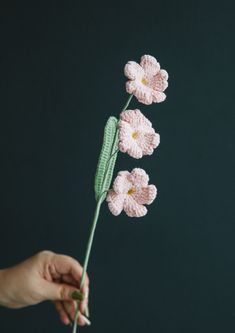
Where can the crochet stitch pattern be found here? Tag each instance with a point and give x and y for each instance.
(133, 134)
(147, 81)
(136, 135)
(130, 193)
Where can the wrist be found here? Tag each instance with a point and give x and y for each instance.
(3, 288)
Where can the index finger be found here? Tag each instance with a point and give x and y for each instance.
(65, 265)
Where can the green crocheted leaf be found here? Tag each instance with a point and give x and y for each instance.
(107, 158)
(110, 167)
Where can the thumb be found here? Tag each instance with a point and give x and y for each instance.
(58, 291)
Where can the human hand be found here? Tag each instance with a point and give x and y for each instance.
(45, 276)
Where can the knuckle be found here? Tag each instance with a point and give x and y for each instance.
(45, 254)
(62, 292)
(75, 263)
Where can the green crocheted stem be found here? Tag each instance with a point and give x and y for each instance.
(127, 103)
(87, 256)
(103, 178)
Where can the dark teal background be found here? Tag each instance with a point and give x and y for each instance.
(61, 76)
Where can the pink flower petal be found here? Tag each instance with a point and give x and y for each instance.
(136, 119)
(145, 195)
(148, 142)
(133, 70)
(150, 65)
(158, 96)
(124, 135)
(132, 208)
(122, 184)
(164, 74)
(130, 86)
(139, 177)
(144, 94)
(115, 202)
(159, 82)
(126, 142)
(134, 150)
(141, 92)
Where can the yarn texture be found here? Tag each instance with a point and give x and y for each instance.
(130, 193)
(147, 82)
(136, 134)
(130, 133)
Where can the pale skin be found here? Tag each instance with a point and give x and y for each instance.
(46, 276)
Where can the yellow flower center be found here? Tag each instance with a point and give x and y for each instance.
(131, 191)
(144, 81)
(135, 135)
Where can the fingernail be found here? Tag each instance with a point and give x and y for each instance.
(66, 321)
(87, 321)
(77, 295)
(86, 294)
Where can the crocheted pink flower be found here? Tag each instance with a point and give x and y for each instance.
(146, 80)
(130, 193)
(136, 135)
